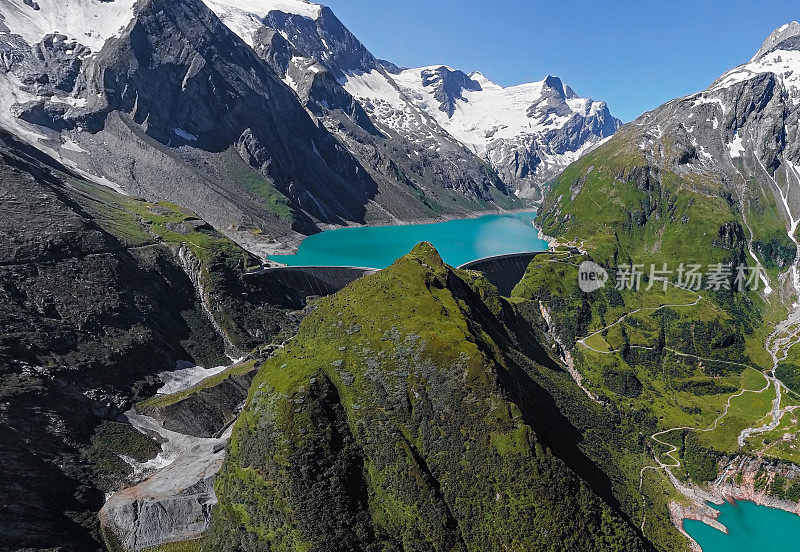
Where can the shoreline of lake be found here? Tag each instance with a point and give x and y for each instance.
(291, 245)
(747, 524)
(736, 483)
(458, 241)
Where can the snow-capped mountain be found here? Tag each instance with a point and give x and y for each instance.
(528, 133)
(779, 56)
(89, 22)
(745, 125)
(207, 104)
(270, 118)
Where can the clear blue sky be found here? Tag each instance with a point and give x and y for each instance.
(634, 55)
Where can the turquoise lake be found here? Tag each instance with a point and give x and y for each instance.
(458, 242)
(751, 528)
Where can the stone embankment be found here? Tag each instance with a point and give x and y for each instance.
(742, 478)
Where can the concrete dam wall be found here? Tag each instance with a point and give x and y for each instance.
(291, 285)
(503, 271)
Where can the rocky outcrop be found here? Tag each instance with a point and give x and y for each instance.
(194, 270)
(751, 479)
(89, 318)
(564, 352)
(207, 411)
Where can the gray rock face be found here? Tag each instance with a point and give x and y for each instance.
(53, 65)
(216, 94)
(57, 65)
(49, 72)
(744, 131)
(87, 323)
(92, 308)
(181, 515)
(736, 143)
(324, 38)
(208, 411)
(316, 86)
(553, 100)
(449, 86)
(784, 38)
(399, 145)
(176, 106)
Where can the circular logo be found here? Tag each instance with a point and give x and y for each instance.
(591, 276)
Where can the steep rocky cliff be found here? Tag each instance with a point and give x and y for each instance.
(94, 303)
(716, 168)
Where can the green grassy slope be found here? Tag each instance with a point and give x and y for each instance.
(624, 208)
(697, 363)
(408, 414)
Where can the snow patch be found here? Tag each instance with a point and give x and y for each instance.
(704, 154)
(784, 64)
(386, 104)
(185, 135)
(244, 17)
(90, 22)
(185, 378)
(184, 451)
(736, 148)
(70, 101)
(481, 79)
(373, 85)
(704, 99)
(70, 145)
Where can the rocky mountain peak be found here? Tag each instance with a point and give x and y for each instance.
(551, 101)
(528, 133)
(463, 110)
(188, 74)
(786, 37)
(777, 60)
(325, 39)
(552, 84)
(739, 137)
(448, 85)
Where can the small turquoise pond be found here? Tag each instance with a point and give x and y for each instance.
(751, 528)
(458, 242)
